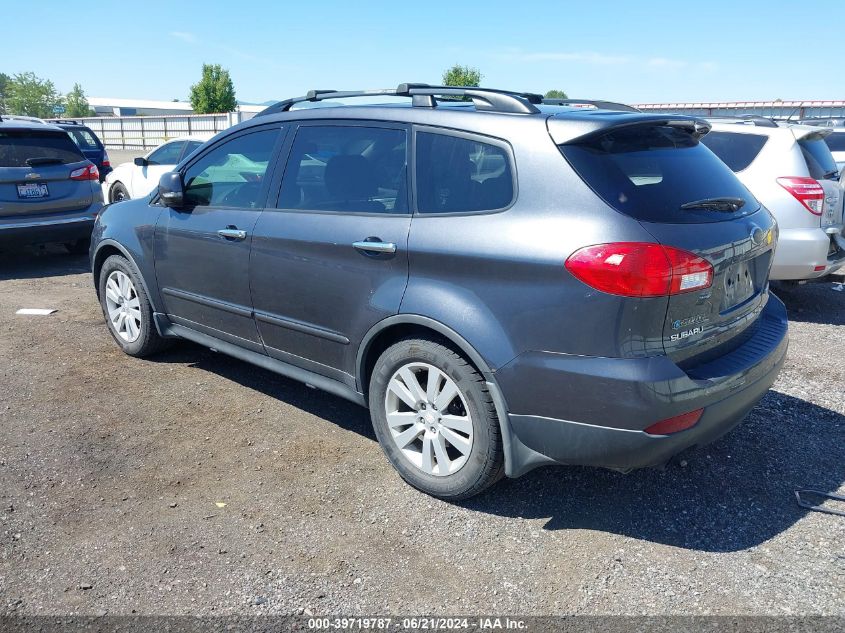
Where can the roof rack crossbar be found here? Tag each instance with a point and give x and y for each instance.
(423, 95)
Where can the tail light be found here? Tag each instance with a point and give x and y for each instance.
(678, 423)
(640, 269)
(106, 160)
(806, 191)
(89, 172)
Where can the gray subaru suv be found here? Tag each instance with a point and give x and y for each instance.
(505, 284)
(49, 191)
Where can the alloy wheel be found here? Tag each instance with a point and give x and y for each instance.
(428, 419)
(123, 306)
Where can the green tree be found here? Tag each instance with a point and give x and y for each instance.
(4, 87)
(556, 94)
(77, 104)
(214, 92)
(31, 96)
(459, 75)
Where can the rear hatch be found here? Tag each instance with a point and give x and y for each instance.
(823, 169)
(90, 145)
(35, 169)
(658, 173)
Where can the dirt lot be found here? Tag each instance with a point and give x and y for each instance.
(113, 472)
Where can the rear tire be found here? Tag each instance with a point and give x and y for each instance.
(127, 309)
(118, 193)
(435, 419)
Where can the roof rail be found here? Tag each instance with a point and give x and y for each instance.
(423, 96)
(598, 103)
(63, 121)
(748, 119)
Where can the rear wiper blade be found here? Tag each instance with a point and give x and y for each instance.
(32, 162)
(831, 175)
(726, 204)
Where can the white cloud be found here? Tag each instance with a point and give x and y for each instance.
(190, 38)
(664, 62)
(589, 57)
(600, 59)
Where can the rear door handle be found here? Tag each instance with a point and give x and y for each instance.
(375, 247)
(232, 234)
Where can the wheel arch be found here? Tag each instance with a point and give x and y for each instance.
(386, 332)
(518, 458)
(106, 249)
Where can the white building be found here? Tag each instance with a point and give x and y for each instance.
(107, 106)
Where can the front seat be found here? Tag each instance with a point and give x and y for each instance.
(351, 181)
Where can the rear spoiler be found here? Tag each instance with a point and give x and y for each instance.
(575, 128)
(802, 132)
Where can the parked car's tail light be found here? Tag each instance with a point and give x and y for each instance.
(806, 190)
(106, 160)
(675, 424)
(89, 172)
(640, 269)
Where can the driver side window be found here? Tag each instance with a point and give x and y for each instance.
(167, 154)
(232, 174)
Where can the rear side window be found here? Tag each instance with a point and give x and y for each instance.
(836, 142)
(457, 174)
(818, 157)
(352, 169)
(84, 139)
(30, 148)
(648, 172)
(737, 151)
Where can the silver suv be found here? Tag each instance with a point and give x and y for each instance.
(791, 171)
(49, 191)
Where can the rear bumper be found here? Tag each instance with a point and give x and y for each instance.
(49, 227)
(592, 411)
(801, 251)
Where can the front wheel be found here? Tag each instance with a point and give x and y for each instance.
(127, 308)
(118, 193)
(435, 419)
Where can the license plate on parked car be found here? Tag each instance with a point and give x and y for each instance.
(739, 284)
(33, 190)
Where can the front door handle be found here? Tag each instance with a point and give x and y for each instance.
(232, 234)
(375, 246)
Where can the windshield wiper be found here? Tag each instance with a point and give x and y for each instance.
(32, 162)
(727, 205)
(831, 175)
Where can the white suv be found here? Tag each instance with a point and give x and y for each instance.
(791, 171)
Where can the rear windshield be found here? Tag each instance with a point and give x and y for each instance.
(737, 151)
(648, 172)
(38, 147)
(819, 159)
(84, 138)
(836, 142)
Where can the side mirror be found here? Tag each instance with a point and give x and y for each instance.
(171, 190)
(140, 162)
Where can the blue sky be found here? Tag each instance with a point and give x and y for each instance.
(632, 52)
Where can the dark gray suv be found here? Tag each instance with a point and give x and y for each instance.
(49, 191)
(505, 284)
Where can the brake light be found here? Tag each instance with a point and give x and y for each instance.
(106, 160)
(89, 172)
(673, 425)
(806, 191)
(640, 269)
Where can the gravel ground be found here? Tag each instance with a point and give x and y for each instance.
(114, 473)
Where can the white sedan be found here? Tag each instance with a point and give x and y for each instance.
(140, 177)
